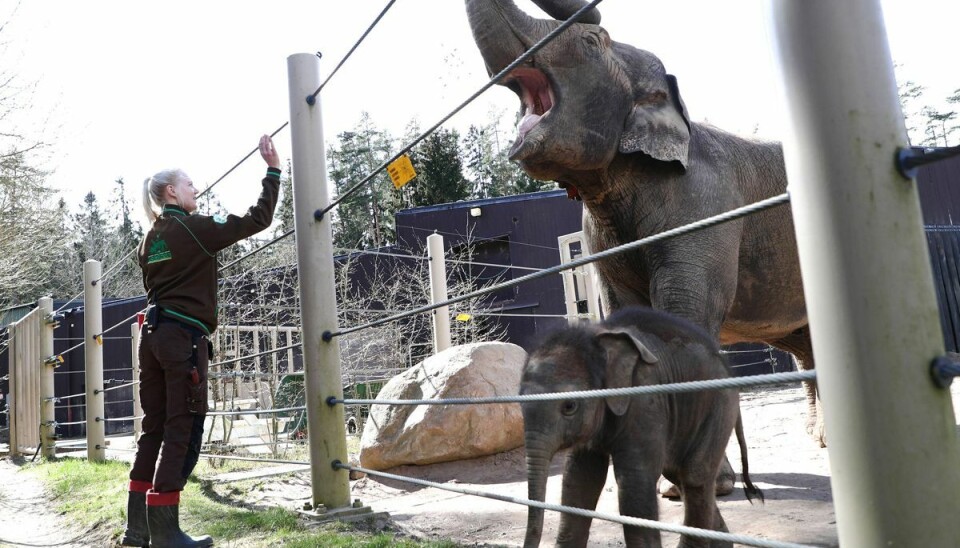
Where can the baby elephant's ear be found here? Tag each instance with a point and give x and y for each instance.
(624, 350)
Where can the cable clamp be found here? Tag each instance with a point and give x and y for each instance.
(54, 399)
(906, 163)
(943, 370)
(54, 361)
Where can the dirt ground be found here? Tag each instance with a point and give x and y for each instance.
(793, 473)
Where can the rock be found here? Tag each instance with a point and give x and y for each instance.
(395, 435)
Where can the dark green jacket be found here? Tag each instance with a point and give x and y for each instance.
(178, 256)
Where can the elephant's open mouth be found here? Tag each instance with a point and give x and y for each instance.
(536, 95)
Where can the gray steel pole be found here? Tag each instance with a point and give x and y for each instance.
(318, 299)
(438, 293)
(48, 433)
(93, 359)
(866, 272)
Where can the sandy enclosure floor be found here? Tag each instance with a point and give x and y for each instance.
(793, 473)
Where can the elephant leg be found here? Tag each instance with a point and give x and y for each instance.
(583, 478)
(637, 491)
(725, 482)
(700, 511)
(702, 293)
(798, 343)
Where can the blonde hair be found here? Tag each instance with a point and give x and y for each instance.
(153, 191)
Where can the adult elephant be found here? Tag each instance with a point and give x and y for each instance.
(606, 121)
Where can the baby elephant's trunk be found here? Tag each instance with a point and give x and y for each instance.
(537, 468)
(749, 489)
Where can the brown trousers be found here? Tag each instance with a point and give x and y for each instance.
(173, 394)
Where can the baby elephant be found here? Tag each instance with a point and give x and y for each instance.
(684, 436)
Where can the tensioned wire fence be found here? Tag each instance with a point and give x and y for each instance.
(398, 316)
(217, 367)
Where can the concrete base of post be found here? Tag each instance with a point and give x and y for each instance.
(351, 514)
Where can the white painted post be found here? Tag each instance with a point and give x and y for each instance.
(438, 293)
(93, 358)
(569, 284)
(135, 365)
(48, 432)
(318, 299)
(866, 272)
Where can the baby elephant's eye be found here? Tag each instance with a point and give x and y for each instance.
(569, 407)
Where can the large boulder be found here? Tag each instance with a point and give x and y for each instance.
(394, 435)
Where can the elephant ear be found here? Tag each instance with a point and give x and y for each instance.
(659, 128)
(624, 351)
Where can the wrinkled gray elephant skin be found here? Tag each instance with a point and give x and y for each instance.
(606, 121)
(684, 436)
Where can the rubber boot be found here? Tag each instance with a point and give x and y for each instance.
(137, 533)
(163, 517)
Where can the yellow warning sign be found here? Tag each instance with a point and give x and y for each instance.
(401, 171)
(464, 317)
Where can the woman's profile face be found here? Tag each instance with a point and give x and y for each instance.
(184, 194)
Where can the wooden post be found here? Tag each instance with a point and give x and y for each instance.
(438, 293)
(93, 360)
(48, 432)
(318, 299)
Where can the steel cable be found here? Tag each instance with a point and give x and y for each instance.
(673, 388)
(681, 230)
(493, 81)
(625, 520)
(355, 46)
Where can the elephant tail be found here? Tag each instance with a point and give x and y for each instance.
(750, 490)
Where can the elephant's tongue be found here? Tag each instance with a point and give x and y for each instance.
(527, 124)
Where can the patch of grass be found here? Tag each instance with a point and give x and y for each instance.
(96, 493)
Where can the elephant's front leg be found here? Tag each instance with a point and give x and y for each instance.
(637, 488)
(583, 478)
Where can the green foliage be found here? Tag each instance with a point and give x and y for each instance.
(493, 174)
(439, 170)
(365, 218)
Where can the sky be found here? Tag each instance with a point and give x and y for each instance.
(123, 88)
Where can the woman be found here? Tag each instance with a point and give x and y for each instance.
(179, 263)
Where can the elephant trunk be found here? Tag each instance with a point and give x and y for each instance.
(502, 31)
(538, 467)
(564, 9)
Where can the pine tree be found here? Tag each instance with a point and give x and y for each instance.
(439, 170)
(365, 218)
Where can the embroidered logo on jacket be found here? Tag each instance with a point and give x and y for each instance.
(158, 252)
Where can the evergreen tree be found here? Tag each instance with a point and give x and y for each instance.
(493, 174)
(91, 233)
(365, 218)
(285, 207)
(439, 169)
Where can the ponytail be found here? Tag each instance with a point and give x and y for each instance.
(153, 191)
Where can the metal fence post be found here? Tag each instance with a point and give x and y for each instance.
(93, 359)
(318, 300)
(867, 275)
(48, 432)
(438, 293)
